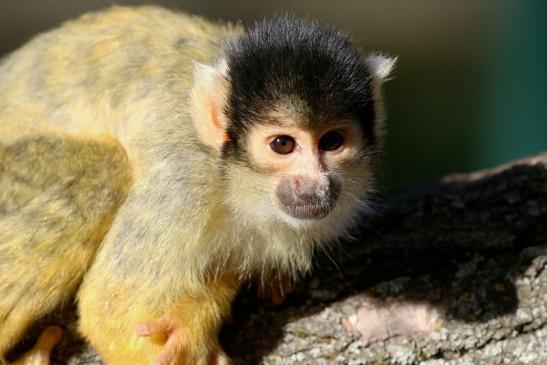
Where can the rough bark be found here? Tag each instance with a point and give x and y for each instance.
(470, 247)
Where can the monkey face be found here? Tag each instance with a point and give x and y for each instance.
(294, 111)
(305, 166)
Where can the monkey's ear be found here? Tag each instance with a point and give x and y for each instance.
(208, 101)
(381, 66)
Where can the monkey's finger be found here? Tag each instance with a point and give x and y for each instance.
(162, 325)
(288, 286)
(219, 359)
(170, 352)
(262, 293)
(40, 353)
(277, 297)
(48, 339)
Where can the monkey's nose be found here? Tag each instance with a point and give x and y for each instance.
(307, 197)
(306, 188)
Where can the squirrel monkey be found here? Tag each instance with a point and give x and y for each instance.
(151, 161)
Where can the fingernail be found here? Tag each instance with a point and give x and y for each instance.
(55, 332)
(142, 330)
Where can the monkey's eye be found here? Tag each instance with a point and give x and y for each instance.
(331, 141)
(283, 145)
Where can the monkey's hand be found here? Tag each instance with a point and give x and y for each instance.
(276, 289)
(174, 352)
(189, 330)
(166, 327)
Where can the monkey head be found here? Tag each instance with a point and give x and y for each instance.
(293, 109)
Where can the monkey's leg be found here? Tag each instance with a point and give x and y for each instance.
(38, 271)
(186, 332)
(57, 198)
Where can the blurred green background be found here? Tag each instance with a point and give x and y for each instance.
(469, 91)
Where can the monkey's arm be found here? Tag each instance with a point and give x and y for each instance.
(176, 326)
(152, 265)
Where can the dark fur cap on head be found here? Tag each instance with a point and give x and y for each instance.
(292, 58)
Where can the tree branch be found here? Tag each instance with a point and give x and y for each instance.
(468, 252)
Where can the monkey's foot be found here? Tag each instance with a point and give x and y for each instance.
(398, 319)
(276, 289)
(174, 351)
(41, 352)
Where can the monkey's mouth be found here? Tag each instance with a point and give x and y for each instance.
(308, 211)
